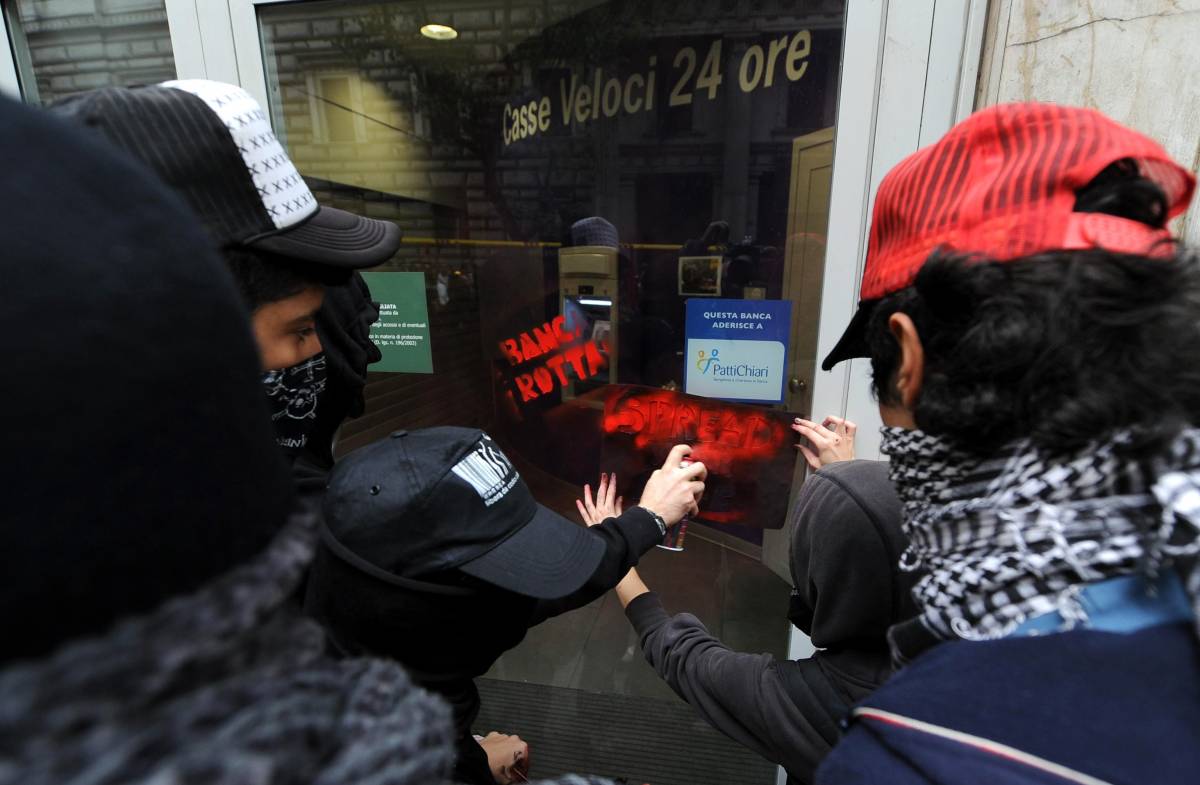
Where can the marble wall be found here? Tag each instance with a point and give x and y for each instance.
(1135, 60)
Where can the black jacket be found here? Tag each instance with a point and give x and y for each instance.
(844, 553)
(446, 635)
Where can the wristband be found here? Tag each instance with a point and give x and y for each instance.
(658, 520)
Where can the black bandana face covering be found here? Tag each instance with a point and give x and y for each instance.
(293, 394)
(1017, 534)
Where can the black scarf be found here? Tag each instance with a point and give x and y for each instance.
(293, 395)
(1017, 534)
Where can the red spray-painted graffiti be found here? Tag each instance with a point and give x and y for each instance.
(747, 450)
(720, 433)
(560, 353)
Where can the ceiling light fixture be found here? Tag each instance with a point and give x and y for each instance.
(439, 32)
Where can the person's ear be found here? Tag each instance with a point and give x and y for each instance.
(911, 372)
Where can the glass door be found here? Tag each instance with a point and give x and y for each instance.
(679, 138)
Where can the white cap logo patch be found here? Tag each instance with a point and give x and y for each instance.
(488, 471)
(283, 192)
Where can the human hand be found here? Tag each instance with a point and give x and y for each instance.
(832, 440)
(508, 757)
(607, 504)
(675, 490)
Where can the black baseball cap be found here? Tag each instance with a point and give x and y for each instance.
(423, 502)
(213, 143)
(853, 342)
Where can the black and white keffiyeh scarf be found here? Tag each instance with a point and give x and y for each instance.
(1017, 534)
(229, 685)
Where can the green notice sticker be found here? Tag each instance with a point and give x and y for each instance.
(402, 332)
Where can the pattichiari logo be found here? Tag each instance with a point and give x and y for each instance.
(712, 364)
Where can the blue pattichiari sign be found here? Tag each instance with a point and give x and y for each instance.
(737, 349)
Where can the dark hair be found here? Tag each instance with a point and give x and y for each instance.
(1120, 190)
(265, 278)
(1062, 347)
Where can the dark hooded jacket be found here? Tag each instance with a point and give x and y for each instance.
(448, 633)
(845, 547)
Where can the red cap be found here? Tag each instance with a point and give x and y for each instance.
(1002, 184)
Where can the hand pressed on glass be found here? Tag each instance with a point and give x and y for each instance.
(607, 504)
(831, 441)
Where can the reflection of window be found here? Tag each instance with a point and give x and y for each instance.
(337, 108)
(69, 46)
(420, 120)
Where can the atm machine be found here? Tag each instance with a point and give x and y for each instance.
(587, 284)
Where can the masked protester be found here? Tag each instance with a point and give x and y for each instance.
(310, 401)
(435, 553)
(844, 557)
(1033, 336)
(344, 326)
(212, 143)
(149, 558)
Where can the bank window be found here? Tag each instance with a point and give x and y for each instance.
(69, 46)
(595, 198)
(337, 108)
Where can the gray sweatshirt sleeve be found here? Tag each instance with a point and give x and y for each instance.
(741, 695)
